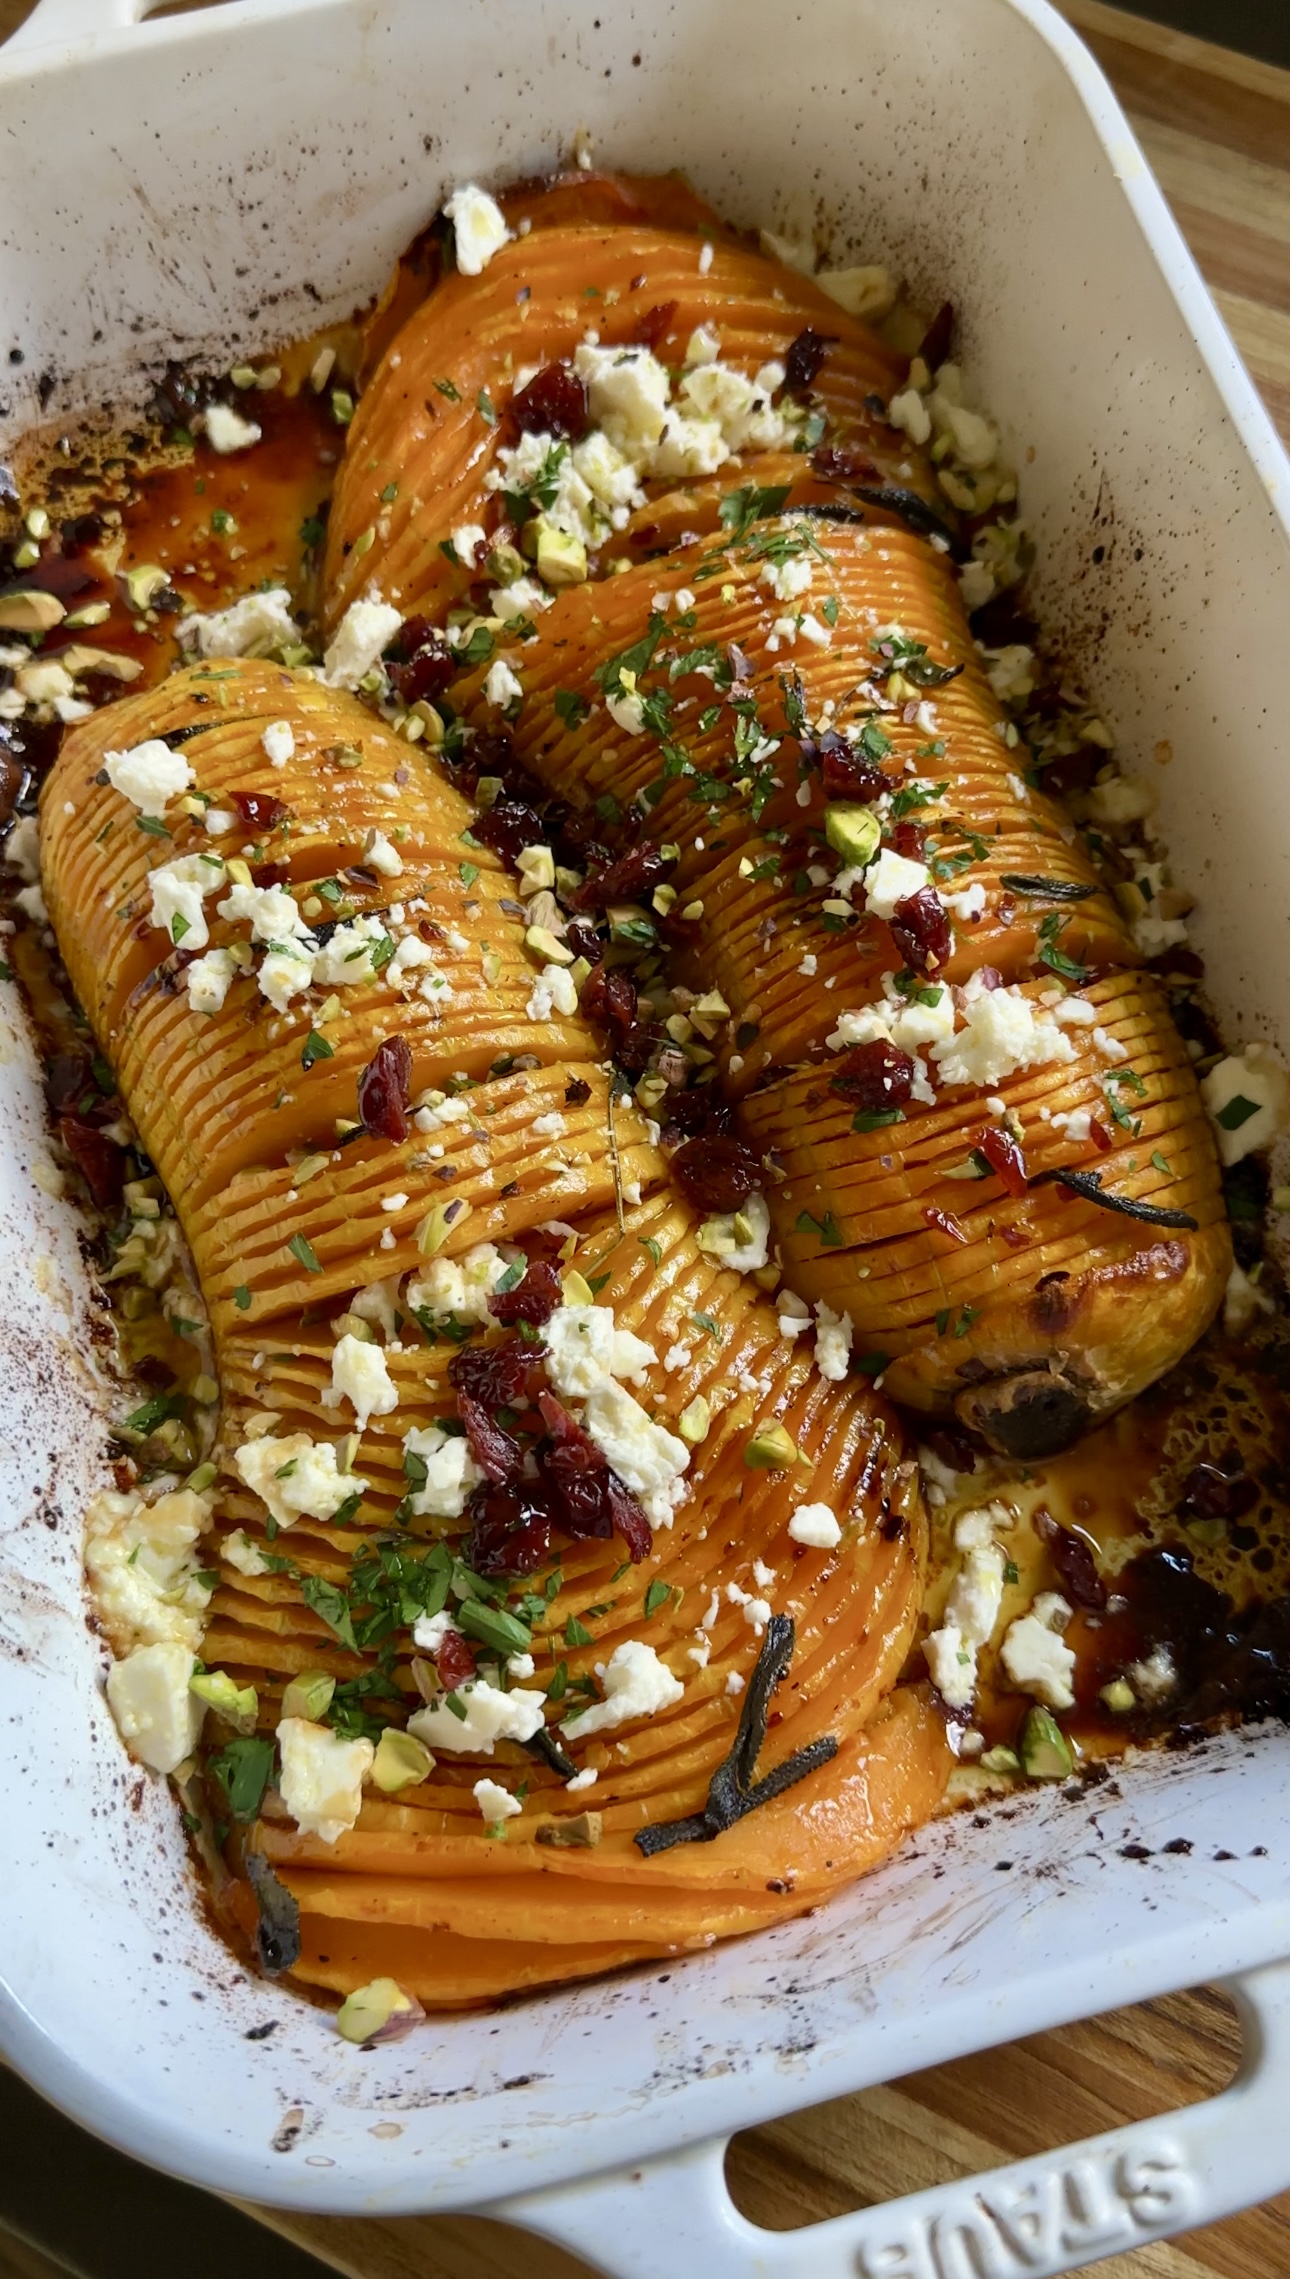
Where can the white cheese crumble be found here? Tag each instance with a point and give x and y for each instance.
(647, 1458)
(141, 1562)
(496, 1803)
(296, 1476)
(451, 1472)
(491, 1716)
(279, 742)
(156, 1715)
(365, 631)
(833, 1333)
(585, 1350)
(971, 1610)
(149, 775)
(251, 627)
(239, 1552)
(385, 860)
(554, 991)
(459, 1288)
(816, 1525)
(1248, 1099)
(321, 1783)
(502, 686)
(636, 1683)
(226, 430)
(890, 880)
(479, 227)
(1154, 1679)
(273, 914)
(1035, 1655)
(360, 1375)
(178, 890)
(744, 1246)
(1003, 1031)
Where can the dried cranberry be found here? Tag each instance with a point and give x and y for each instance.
(609, 999)
(259, 810)
(510, 1529)
(627, 880)
(934, 346)
(584, 941)
(944, 1222)
(846, 773)
(633, 1052)
(876, 1076)
(843, 463)
(553, 403)
(534, 1299)
(455, 1660)
(804, 358)
(716, 1174)
(1073, 1560)
(1005, 1159)
(495, 1450)
(100, 1162)
(953, 1446)
(508, 828)
(1208, 1493)
(383, 1090)
(496, 1375)
(1100, 1136)
(909, 840)
(576, 1092)
(421, 664)
(592, 1500)
(699, 1110)
(67, 1080)
(652, 327)
(921, 930)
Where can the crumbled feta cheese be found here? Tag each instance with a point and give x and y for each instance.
(238, 1551)
(149, 775)
(549, 1126)
(430, 1630)
(832, 1343)
(816, 1525)
(1154, 1679)
(284, 972)
(555, 990)
(251, 627)
(279, 742)
(360, 1374)
(1121, 799)
(141, 1562)
(467, 539)
(523, 598)
(321, 1782)
(502, 685)
(636, 1684)
(890, 880)
(968, 904)
(908, 412)
(647, 1458)
(226, 430)
(496, 1803)
(1003, 1031)
(971, 1610)
(587, 1778)
(585, 1349)
(157, 1716)
(459, 1288)
(479, 227)
(1035, 1655)
(627, 394)
(787, 580)
(364, 633)
(296, 1476)
(491, 1716)
(1248, 1099)
(273, 914)
(450, 1476)
(380, 856)
(347, 956)
(22, 848)
(177, 891)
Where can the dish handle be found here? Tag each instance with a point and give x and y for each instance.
(1035, 2219)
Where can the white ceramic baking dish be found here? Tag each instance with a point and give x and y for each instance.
(221, 180)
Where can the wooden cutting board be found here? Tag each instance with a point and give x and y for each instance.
(1216, 128)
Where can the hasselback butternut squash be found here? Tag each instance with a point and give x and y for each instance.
(370, 1113)
(663, 554)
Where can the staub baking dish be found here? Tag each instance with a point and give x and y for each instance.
(229, 177)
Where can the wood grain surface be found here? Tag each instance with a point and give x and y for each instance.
(1216, 128)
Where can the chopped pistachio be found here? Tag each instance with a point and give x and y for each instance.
(506, 565)
(1000, 1760)
(547, 947)
(771, 1449)
(364, 543)
(693, 911)
(368, 2013)
(243, 375)
(561, 560)
(30, 612)
(1045, 1751)
(694, 1422)
(308, 1695)
(584, 1828)
(239, 870)
(439, 1222)
(577, 1289)
(205, 1390)
(203, 1478)
(401, 1761)
(536, 869)
(26, 555)
(1119, 1697)
(663, 898)
(342, 406)
(94, 613)
(239, 1706)
(36, 522)
(143, 584)
(853, 832)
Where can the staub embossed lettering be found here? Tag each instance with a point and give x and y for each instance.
(1036, 2224)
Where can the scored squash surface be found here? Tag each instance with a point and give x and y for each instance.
(300, 1221)
(758, 646)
